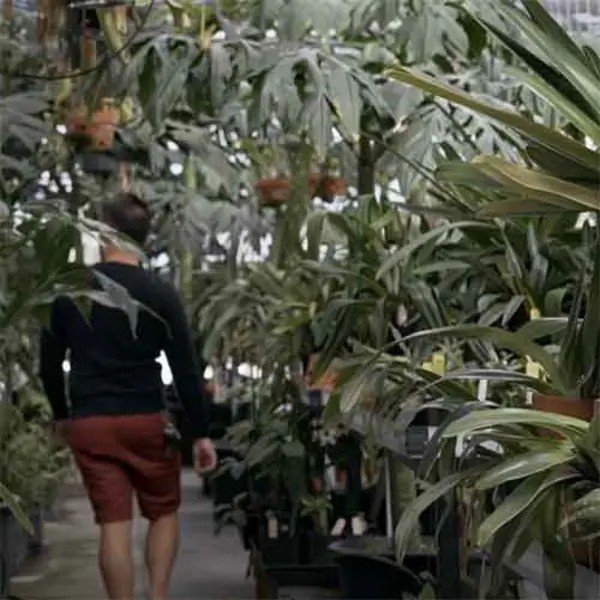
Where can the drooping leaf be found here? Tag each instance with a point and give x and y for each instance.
(570, 427)
(524, 465)
(519, 500)
(410, 517)
(542, 135)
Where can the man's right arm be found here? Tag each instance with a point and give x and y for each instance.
(187, 375)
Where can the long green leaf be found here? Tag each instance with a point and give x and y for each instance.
(404, 252)
(542, 135)
(525, 465)
(538, 328)
(550, 38)
(519, 500)
(502, 375)
(484, 419)
(552, 162)
(571, 111)
(410, 517)
(536, 186)
(354, 390)
(547, 24)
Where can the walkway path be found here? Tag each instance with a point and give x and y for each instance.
(209, 566)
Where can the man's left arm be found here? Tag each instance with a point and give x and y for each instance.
(53, 350)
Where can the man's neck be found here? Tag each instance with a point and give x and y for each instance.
(112, 254)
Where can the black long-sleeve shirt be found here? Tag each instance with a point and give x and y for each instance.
(114, 372)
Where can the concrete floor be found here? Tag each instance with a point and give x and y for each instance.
(208, 566)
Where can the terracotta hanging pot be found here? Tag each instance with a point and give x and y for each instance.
(99, 127)
(333, 186)
(276, 191)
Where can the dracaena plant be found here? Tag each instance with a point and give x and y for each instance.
(533, 488)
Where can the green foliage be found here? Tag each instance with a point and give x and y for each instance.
(32, 466)
(544, 469)
(565, 75)
(488, 122)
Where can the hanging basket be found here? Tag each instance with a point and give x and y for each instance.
(276, 191)
(98, 128)
(332, 187)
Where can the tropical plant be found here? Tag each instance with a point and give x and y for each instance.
(544, 489)
(272, 450)
(559, 174)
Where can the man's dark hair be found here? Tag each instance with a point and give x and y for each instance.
(129, 215)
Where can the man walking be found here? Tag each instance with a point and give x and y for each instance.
(116, 424)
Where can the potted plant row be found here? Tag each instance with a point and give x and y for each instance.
(286, 511)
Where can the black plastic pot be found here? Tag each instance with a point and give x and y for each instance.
(367, 571)
(243, 411)
(35, 543)
(250, 531)
(13, 548)
(318, 549)
(280, 551)
(225, 487)
(221, 418)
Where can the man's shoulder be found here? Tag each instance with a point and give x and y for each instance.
(144, 285)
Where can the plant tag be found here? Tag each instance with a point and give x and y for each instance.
(338, 527)
(533, 369)
(272, 528)
(438, 361)
(359, 525)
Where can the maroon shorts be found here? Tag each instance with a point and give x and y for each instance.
(122, 455)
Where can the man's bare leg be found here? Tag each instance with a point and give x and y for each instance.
(162, 544)
(116, 560)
